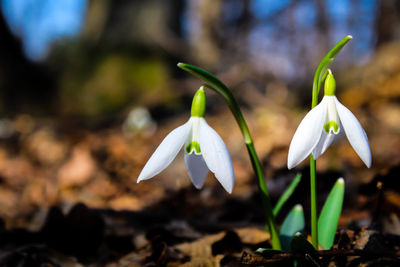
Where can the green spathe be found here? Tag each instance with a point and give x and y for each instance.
(199, 103)
(330, 84)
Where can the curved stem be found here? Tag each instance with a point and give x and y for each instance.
(215, 84)
(320, 72)
(319, 77)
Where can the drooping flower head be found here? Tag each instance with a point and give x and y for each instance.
(204, 150)
(322, 124)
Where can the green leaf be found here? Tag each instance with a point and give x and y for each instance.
(321, 71)
(286, 195)
(293, 223)
(330, 214)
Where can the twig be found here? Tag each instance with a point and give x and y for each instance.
(254, 259)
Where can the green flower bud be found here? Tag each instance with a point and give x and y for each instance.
(199, 103)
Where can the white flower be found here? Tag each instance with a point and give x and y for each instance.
(322, 124)
(204, 151)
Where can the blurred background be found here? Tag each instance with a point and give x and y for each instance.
(88, 89)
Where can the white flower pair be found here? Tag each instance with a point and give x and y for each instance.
(204, 150)
(322, 124)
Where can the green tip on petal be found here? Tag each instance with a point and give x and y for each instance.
(193, 147)
(330, 84)
(199, 103)
(331, 125)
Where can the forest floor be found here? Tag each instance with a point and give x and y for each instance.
(70, 198)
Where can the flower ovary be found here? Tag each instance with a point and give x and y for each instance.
(330, 84)
(199, 103)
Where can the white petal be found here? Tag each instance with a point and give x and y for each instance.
(165, 152)
(307, 134)
(355, 133)
(197, 169)
(323, 143)
(216, 156)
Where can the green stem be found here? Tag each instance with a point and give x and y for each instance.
(276, 244)
(319, 77)
(313, 165)
(314, 219)
(215, 84)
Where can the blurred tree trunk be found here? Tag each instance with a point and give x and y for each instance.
(176, 9)
(388, 20)
(243, 25)
(322, 26)
(136, 24)
(25, 86)
(206, 41)
(96, 17)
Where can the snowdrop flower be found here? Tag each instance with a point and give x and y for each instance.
(322, 124)
(203, 147)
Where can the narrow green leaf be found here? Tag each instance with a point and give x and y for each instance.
(293, 223)
(330, 214)
(286, 195)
